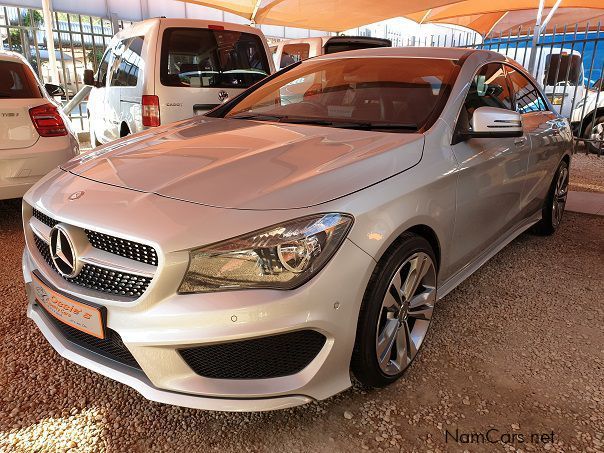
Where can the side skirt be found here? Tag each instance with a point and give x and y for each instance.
(473, 266)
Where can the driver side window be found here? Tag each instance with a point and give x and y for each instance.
(489, 89)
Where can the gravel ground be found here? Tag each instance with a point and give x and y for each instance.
(518, 347)
(587, 173)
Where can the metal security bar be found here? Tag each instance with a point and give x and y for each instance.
(569, 67)
(79, 43)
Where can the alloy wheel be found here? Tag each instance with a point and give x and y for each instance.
(560, 195)
(406, 313)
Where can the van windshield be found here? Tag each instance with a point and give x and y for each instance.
(563, 68)
(208, 58)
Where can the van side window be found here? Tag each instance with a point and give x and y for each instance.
(526, 97)
(292, 53)
(101, 75)
(489, 89)
(127, 63)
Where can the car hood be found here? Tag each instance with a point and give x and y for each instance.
(245, 164)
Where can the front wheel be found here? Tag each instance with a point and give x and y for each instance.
(553, 209)
(396, 312)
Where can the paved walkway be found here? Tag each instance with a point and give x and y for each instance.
(585, 202)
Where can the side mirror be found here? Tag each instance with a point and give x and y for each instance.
(89, 77)
(494, 122)
(54, 90)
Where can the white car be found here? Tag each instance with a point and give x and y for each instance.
(35, 136)
(163, 70)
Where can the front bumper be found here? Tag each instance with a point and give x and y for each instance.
(154, 333)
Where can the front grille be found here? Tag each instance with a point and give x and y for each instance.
(260, 358)
(111, 346)
(117, 246)
(44, 218)
(100, 278)
(123, 247)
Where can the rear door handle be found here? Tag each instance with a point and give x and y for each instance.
(520, 141)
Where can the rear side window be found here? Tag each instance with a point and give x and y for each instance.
(526, 96)
(127, 63)
(17, 81)
(198, 57)
(292, 53)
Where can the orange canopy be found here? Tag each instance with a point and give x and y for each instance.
(339, 15)
(328, 15)
(508, 16)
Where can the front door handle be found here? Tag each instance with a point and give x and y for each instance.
(520, 141)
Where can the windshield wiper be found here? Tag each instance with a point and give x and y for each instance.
(350, 124)
(332, 122)
(257, 116)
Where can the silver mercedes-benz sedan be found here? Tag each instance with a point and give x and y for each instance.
(254, 258)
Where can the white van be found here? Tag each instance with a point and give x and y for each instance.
(164, 70)
(293, 50)
(559, 71)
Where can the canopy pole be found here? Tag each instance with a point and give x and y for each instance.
(254, 12)
(50, 41)
(551, 14)
(536, 33)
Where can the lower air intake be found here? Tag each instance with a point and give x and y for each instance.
(260, 358)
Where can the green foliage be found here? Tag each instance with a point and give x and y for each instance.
(94, 57)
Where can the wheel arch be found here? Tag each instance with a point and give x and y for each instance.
(422, 230)
(587, 119)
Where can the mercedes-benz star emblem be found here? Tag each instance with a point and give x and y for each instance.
(222, 95)
(76, 195)
(62, 252)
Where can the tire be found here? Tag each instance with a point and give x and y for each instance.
(553, 209)
(124, 131)
(595, 130)
(386, 321)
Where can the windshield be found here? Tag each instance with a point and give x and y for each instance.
(200, 58)
(398, 94)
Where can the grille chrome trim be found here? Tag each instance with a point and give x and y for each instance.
(40, 229)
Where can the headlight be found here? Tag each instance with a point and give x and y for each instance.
(283, 256)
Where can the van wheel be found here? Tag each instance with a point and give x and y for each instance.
(553, 209)
(396, 312)
(595, 131)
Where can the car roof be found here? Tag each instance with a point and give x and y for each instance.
(452, 53)
(7, 55)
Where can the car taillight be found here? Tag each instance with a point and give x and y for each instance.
(150, 110)
(47, 121)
